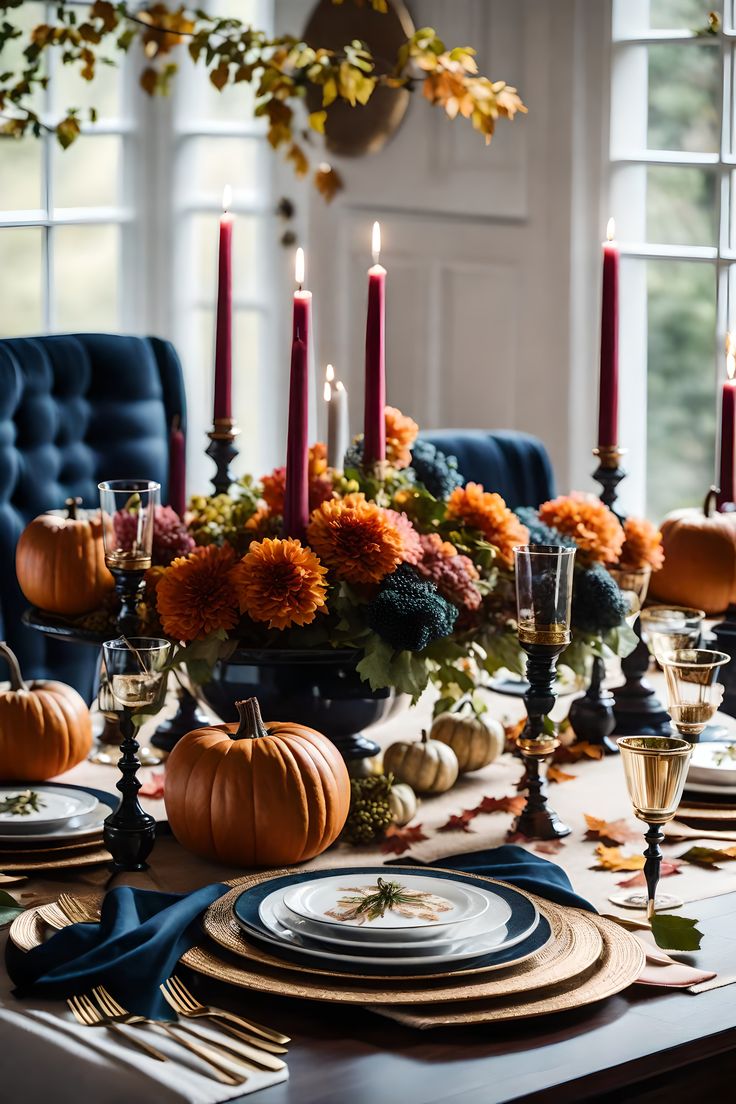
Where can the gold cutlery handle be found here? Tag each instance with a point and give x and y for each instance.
(234, 1050)
(249, 1025)
(207, 1055)
(254, 1040)
(141, 1044)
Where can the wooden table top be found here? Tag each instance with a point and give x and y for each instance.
(646, 1044)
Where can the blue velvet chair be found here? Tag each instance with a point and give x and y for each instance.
(514, 464)
(75, 409)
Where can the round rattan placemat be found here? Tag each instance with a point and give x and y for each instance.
(31, 864)
(92, 844)
(572, 949)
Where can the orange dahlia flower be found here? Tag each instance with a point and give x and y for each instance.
(642, 545)
(356, 539)
(479, 509)
(320, 482)
(195, 594)
(410, 539)
(595, 529)
(401, 433)
(280, 582)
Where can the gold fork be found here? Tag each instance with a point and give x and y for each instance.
(207, 1053)
(243, 1053)
(183, 1002)
(87, 1014)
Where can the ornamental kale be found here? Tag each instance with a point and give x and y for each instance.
(437, 472)
(408, 613)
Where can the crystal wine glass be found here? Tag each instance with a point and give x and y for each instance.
(693, 690)
(671, 628)
(128, 508)
(655, 768)
(136, 675)
(633, 585)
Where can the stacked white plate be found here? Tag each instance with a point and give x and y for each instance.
(712, 769)
(437, 921)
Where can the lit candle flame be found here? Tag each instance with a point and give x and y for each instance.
(227, 198)
(299, 267)
(340, 385)
(328, 391)
(376, 242)
(611, 230)
(731, 354)
(329, 373)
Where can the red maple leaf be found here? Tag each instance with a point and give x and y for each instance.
(459, 822)
(574, 752)
(612, 832)
(398, 840)
(666, 870)
(510, 804)
(153, 787)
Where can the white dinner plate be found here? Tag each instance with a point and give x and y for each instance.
(85, 826)
(712, 765)
(57, 807)
(437, 908)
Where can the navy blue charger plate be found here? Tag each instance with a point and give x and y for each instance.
(247, 905)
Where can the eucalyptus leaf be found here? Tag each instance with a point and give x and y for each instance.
(675, 933)
(9, 908)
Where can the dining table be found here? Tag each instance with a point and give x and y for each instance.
(647, 1043)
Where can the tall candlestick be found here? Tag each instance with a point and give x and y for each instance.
(726, 481)
(374, 430)
(296, 493)
(223, 331)
(608, 391)
(177, 468)
(338, 430)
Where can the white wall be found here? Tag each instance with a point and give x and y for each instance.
(492, 253)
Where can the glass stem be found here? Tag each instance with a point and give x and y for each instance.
(652, 864)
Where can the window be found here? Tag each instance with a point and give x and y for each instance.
(672, 186)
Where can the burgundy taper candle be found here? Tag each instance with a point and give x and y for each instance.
(608, 388)
(374, 424)
(296, 492)
(177, 468)
(224, 322)
(728, 430)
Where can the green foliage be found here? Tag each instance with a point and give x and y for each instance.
(675, 933)
(9, 908)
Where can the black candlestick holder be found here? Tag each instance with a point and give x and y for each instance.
(188, 716)
(609, 474)
(129, 832)
(591, 715)
(127, 586)
(222, 450)
(652, 864)
(536, 745)
(637, 709)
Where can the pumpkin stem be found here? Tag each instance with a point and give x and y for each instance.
(251, 725)
(710, 500)
(16, 678)
(425, 736)
(71, 506)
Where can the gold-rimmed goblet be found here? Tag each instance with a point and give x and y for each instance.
(671, 628)
(136, 674)
(655, 769)
(634, 586)
(637, 708)
(693, 690)
(544, 576)
(128, 509)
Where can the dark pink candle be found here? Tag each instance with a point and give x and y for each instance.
(224, 323)
(177, 469)
(728, 433)
(296, 493)
(608, 392)
(374, 425)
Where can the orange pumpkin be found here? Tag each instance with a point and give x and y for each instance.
(45, 727)
(60, 562)
(255, 794)
(699, 559)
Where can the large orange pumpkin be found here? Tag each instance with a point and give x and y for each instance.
(60, 562)
(45, 727)
(255, 794)
(699, 559)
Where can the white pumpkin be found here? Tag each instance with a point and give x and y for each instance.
(428, 766)
(366, 768)
(476, 742)
(402, 802)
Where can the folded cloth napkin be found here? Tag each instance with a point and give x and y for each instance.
(141, 936)
(518, 867)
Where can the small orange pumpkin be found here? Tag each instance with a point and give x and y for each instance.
(255, 794)
(699, 559)
(45, 727)
(60, 562)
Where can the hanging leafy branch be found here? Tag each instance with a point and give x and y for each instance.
(282, 70)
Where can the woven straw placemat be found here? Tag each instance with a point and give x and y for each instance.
(36, 864)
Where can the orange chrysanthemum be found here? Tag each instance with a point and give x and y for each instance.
(195, 594)
(401, 433)
(356, 539)
(642, 545)
(320, 482)
(280, 582)
(595, 529)
(410, 539)
(479, 509)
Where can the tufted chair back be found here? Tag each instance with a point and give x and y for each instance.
(75, 409)
(515, 465)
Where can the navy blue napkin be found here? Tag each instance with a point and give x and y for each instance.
(518, 867)
(140, 938)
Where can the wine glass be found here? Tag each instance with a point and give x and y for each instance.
(128, 508)
(136, 675)
(655, 769)
(693, 690)
(633, 584)
(670, 628)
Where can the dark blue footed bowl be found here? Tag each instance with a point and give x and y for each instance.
(319, 688)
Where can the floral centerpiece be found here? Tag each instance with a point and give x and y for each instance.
(402, 562)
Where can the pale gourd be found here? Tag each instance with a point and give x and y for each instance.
(428, 766)
(366, 768)
(476, 742)
(402, 801)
